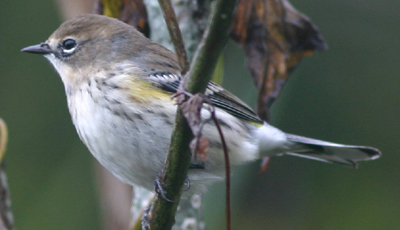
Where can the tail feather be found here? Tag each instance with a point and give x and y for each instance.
(330, 152)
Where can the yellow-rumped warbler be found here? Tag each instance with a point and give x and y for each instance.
(119, 84)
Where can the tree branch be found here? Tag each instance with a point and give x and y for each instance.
(161, 215)
(214, 41)
(175, 33)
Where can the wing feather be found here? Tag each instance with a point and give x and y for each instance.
(220, 97)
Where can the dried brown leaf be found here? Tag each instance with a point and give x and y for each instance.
(191, 106)
(265, 162)
(191, 109)
(199, 145)
(132, 12)
(275, 38)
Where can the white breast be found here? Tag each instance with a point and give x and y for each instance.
(133, 146)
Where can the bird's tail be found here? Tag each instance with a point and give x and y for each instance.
(330, 152)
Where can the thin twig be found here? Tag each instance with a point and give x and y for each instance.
(227, 169)
(214, 41)
(175, 33)
(204, 99)
(227, 178)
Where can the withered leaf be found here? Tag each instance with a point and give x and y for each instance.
(275, 37)
(191, 109)
(265, 162)
(199, 145)
(132, 12)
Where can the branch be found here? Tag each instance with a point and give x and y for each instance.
(161, 215)
(175, 33)
(211, 46)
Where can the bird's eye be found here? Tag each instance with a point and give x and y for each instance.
(69, 45)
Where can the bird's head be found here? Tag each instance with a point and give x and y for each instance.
(87, 43)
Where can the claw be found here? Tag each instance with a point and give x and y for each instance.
(159, 187)
(145, 218)
(187, 182)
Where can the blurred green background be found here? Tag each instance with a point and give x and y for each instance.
(348, 94)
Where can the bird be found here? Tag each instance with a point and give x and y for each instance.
(119, 84)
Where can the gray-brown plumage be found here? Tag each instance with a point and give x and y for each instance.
(118, 85)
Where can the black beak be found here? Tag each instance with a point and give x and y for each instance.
(41, 48)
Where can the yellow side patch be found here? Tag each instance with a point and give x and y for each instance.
(256, 123)
(143, 91)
